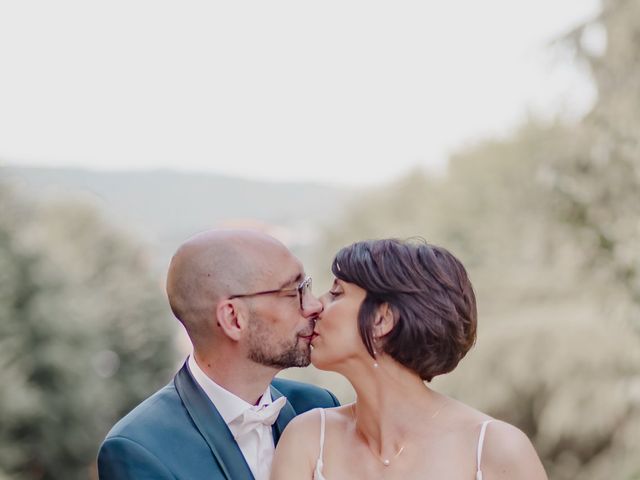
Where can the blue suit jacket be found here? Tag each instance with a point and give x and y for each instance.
(177, 433)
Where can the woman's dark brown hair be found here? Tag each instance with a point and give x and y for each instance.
(429, 293)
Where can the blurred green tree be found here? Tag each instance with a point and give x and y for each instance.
(84, 335)
(596, 177)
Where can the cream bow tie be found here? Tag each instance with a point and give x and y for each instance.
(264, 415)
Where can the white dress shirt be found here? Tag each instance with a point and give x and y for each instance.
(257, 444)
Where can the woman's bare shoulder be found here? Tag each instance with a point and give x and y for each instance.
(460, 416)
(307, 424)
(341, 414)
(509, 454)
(303, 426)
(298, 447)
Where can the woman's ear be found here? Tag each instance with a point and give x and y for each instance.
(385, 320)
(231, 319)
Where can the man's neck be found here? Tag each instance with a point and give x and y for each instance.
(244, 379)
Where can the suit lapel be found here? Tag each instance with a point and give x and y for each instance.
(286, 415)
(212, 427)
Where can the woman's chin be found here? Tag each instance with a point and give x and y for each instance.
(316, 358)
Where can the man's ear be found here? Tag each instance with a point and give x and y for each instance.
(385, 320)
(232, 320)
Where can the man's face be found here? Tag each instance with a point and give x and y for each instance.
(280, 331)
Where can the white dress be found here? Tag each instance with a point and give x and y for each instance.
(317, 473)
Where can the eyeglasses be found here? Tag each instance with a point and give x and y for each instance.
(303, 290)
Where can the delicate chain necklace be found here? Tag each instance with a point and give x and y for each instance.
(385, 461)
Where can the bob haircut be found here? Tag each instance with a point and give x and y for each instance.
(429, 294)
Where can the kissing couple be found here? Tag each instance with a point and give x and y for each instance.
(398, 314)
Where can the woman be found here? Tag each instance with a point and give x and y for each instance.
(398, 314)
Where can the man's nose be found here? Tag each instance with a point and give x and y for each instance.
(312, 306)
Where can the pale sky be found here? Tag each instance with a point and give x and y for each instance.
(353, 92)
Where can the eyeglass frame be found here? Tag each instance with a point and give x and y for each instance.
(300, 289)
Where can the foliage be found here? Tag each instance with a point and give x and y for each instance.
(83, 335)
(596, 178)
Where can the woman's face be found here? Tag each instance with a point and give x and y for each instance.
(337, 338)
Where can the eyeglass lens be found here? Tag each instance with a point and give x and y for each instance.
(304, 291)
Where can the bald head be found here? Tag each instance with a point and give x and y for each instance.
(214, 264)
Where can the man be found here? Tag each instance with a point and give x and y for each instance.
(247, 307)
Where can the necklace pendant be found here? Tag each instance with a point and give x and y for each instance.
(386, 462)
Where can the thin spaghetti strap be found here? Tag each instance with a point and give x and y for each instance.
(317, 473)
(321, 433)
(483, 430)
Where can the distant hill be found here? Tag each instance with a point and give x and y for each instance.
(165, 207)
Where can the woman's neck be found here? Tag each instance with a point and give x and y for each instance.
(391, 401)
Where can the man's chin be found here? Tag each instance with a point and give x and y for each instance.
(298, 357)
(299, 362)
(304, 363)
(303, 359)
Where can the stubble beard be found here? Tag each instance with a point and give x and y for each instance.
(263, 349)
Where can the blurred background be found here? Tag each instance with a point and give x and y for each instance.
(506, 131)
